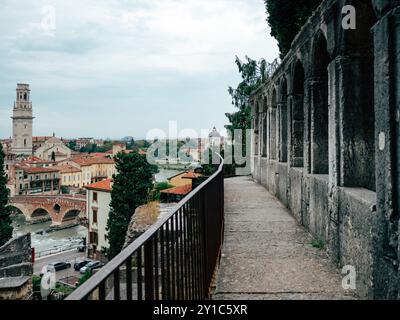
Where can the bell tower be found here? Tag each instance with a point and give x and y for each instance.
(22, 122)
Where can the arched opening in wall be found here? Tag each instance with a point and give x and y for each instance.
(272, 126)
(57, 208)
(256, 129)
(40, 214)
(71, 215)
(319, 107)
(359, 114)
(297, 117)
(265, 127)
(283, 122)
(14, 211)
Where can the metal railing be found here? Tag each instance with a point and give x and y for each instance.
(174, 260)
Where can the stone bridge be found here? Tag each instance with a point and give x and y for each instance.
(62, 210)
(326, 138)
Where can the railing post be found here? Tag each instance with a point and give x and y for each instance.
(204, 230)
(148, 270)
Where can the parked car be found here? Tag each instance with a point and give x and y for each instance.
(91, 266)
(80, 264)
(60, 265)
(82, 247)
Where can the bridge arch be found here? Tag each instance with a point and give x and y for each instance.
(15, 209)
(71, 215)
(39, 212)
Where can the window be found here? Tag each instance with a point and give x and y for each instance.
(95, 216)
(93, 238)
(95, 196)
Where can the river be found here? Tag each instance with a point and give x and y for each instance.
(43, 241)
(46, 241)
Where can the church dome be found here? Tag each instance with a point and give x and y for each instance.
(214, 133)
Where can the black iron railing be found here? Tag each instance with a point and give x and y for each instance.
(174, 260)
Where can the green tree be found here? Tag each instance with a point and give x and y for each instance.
(131, 189)
(72, 145)
(6, 228)
(85, 277)
(158, 187)
(286, 18)
(253, 74)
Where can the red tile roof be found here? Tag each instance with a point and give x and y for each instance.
(191, 175)
(32, 170)
(88, 160)
(40, 139)
(104, 185)
(180, 191)
(67, 169)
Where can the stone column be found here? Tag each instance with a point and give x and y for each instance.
(283, 131)
(297, 131)
(307, 127)
(387, 116)
(290, 155)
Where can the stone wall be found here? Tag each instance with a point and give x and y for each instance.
(16, 268)
(335, 106)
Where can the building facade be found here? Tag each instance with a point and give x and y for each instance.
(98, 208)
(22, 122)
(36, 180)
(53, 149)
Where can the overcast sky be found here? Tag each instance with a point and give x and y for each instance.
(112, 68)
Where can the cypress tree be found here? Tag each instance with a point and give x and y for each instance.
(131, 189)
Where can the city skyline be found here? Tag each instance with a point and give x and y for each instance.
(143, 63)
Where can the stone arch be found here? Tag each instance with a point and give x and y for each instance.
(283, 120)
(38, 215)
(17, 209)
(71, 215)
(358, 132)
(297, 116)
(265, 126)
(256, 128)
(40, 212)
(272, 124)
(319, 115)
